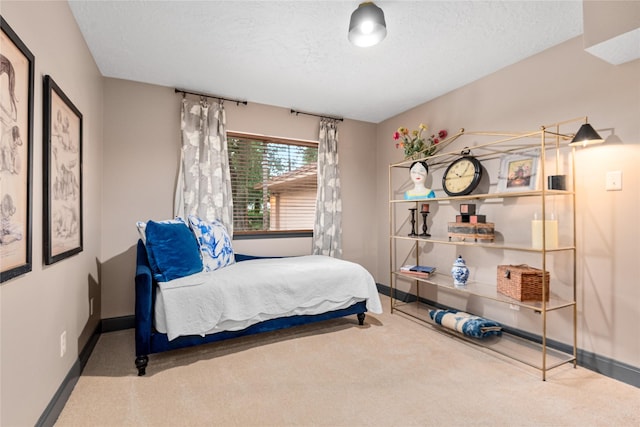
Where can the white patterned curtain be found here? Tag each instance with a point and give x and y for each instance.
(204, 181)
(327, 230)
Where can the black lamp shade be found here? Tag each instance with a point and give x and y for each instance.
(367, 26)
(586, 136)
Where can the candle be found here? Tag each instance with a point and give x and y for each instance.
(550, 232)
(425, 207)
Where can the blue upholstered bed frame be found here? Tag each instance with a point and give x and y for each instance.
(149, 341)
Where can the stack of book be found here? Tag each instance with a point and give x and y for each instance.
(417, 270)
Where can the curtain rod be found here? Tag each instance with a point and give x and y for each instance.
(340, 119)
(237, 101)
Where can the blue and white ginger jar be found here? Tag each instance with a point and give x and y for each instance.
(459, 272)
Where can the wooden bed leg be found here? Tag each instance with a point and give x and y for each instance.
(361, 319)
(141, 364)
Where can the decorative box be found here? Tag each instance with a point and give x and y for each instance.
(465, 230)
(522, 282)
(473, 219)
(467, 208)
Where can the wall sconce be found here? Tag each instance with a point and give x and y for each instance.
(586, 135)
(367, 26)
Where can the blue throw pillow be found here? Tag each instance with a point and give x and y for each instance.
(142, 226)
(173, 250)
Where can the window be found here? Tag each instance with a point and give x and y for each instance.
(273, 182)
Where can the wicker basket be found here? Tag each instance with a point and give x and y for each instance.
(522, 282)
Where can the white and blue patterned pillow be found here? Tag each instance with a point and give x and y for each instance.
(214, 241)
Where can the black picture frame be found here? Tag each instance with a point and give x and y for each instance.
(63, 223)
(16, 162)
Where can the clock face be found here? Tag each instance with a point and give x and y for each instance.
(462, 176)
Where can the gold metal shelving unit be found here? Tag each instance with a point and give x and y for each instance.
(552, 147)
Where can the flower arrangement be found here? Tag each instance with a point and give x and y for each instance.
(415, 145)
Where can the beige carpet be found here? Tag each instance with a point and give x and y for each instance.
(391, 372)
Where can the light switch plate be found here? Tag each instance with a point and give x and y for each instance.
(613, 181)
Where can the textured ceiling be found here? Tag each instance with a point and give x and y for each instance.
(295, 54)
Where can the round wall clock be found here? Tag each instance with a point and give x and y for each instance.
(462, 176)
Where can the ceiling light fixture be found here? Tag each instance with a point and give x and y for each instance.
(367, 26)
(586, 135)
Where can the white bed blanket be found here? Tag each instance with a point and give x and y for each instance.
(244, 293)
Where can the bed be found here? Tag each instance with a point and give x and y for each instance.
(247, 295)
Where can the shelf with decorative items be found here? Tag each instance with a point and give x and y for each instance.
(487, 203)
(485, 290)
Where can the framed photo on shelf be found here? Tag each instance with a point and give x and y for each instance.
(518, 172)
(62, 175)
(16, 140)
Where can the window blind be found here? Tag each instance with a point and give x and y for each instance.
(273, 183)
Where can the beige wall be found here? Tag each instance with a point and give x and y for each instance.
(140, 168)
(38, 306)
(604, 20)
(142, 144)
(561, 83)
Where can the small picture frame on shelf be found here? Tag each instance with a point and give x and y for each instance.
(518, 172)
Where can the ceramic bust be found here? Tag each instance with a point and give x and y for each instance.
(419, 172)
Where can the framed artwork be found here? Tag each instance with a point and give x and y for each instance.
(16, 142)
(518, 172)
(62, 175)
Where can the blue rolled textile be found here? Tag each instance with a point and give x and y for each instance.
(465, 323)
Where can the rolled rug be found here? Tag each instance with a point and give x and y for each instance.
(465, 323)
